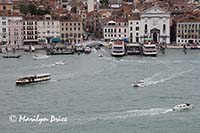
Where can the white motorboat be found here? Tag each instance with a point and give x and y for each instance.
(183, 107)
(139, 83)
(38, 57)
(87, 50)
(100, 55)
(61, 63)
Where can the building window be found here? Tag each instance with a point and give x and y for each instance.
(131, 28)
(3, 23)
(119, 30)
(137, 39)
(105, 30)
(137, 28)
(124, 30)
(4, 7)
(164, 28)
(145, 28)
(3, 29)
(131, 35)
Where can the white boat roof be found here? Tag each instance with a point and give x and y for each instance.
(36, 75)
(133, 44)
(150, 45)
(78, 44)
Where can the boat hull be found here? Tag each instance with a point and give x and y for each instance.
(33, 81)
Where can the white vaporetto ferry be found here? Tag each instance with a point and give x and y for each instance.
(33, 79)
(149, 49)
(118, 48)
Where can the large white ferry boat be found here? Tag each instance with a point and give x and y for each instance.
(118, 48)
(33, 79)
(149, 49)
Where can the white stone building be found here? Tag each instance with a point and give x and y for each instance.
(90, 4)
(4, 28)
(134, 27)
(48, 28)
(155, 24)
(188, 30)
(116, 29)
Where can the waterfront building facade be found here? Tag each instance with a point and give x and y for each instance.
(188, 30)
(133, 28)
(4, 34)
(48, 28)
(4, 28)
(30, 30)
(116, 29)
(155, 24)
(15, 33)
(71, 29)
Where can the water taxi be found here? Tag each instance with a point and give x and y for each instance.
(38, 57)
(33, 79)
(11, 56)
(87, 50)
(183, 107)
(139, 83)
(118, 48)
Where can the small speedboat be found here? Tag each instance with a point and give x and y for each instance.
(138, 83)
(183, 107)
(87, 50)
(61, 63)
(38, 57)
(100, 55)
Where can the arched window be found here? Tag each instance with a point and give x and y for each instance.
(164, 28)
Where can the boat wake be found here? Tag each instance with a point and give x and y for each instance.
(151, 81)
(126, 114)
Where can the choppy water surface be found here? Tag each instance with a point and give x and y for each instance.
(95, 94)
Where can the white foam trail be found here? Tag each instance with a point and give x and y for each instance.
(165, 79)
(152, 77)
(127, 114)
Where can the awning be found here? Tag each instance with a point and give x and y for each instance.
(55, 40)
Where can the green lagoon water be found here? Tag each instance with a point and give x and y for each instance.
(96, 96)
